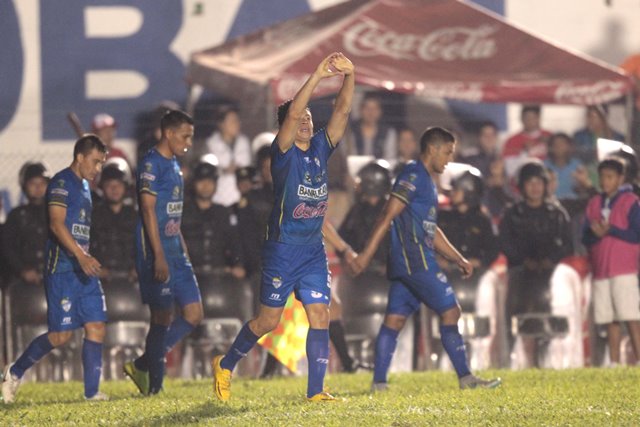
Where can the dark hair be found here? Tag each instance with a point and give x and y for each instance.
(613, 164)
(435, 136)
(532, 169)
(488, 123)
(86, 143)
(530, 109)
(559, 135)
(224, 111)
(263, 154)
(173, 119)
(283, 109)
(371, 96)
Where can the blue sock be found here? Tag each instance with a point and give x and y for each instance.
(318, 359)
(92, 366)
(240, 347)
(454, 346)
(38, 348)
(179, 329)
(154, 353)
(385, 347)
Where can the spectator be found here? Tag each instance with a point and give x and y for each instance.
(261, 198)
(487, 151)
(233, 150)
(597, 127)
(534, 235)
(25, 231)
(112, 240)
(612, 234)
(209, 229)
(370, 135)
(561, 161)
(408, 149)
(105, 127)
(249, 223)
(531, 141)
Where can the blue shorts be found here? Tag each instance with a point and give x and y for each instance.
(299, 268)
(428, 287)
(181, 287)
(73, 299)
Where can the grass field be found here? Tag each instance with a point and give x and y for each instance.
(594, 397)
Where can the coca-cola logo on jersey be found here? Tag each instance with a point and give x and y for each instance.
(305, 211)
(172, 228)
(368, 38)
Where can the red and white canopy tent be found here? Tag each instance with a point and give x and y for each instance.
(435, 48)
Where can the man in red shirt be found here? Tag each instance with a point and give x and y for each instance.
(530, 142)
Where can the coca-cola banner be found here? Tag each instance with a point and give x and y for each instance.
(436, 48)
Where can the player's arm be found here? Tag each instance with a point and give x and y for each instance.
(150, 221)
(391, 210)
(340, 116)
(287, 132)
(57, 214)
(444, 247)
(331, 235)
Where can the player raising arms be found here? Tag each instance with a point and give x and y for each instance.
(294, 257)
(412, 268)
(74, 294)
(162, 260)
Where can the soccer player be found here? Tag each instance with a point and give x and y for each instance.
(293, 254)
(415, 276)
(74, 294)
(162, 260)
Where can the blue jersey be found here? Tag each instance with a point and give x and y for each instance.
(162, 178)
(300, 187)
(413, 231)
(68, 190)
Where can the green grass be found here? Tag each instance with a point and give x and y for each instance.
(593, 397)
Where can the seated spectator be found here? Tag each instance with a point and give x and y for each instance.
(597, 127)
(112, 224)
(530, 142)
(209, 229)
(561, 161)
(534, 236)
(25, 231)
(370, 135)
(612, 234)
(233, 150)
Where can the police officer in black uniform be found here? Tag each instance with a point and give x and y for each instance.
(113, 221)
(25, 231)
(469, 229)
(534, 235)
(210, 230)
(249, 223)
(373, 184)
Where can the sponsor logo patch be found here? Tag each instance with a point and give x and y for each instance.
(65, 304)
(172, 228)
(276, 282)
(315, 294)
(80, 231)
(312, 193)
(66, 320)
(146, 176)
(60, 191)
(275, 297)
(174, 208)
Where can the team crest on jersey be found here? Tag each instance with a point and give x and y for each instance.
(66, 304)
(61, 183)
(319, 177)
(83, 215)
(148, 166)
(176, 192)
(432, 212)
(276, 282)
(307, 159)
(317, 161)
(412, 177)
(307, 177)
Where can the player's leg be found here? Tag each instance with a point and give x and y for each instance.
(317, 346)
(153, 356)
(223, 365)
(400, 305)
(92, 311)
(336, 332)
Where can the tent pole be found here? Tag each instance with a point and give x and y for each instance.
(629, 106)
(269, 110)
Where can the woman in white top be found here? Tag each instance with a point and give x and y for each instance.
(233, 151)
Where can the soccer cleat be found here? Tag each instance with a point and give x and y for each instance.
(139, 378)
(471, 381)
(377, 387)
(98, 397)
(10, 385)
(322, 397)
(221, 379)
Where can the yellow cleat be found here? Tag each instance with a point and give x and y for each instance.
(139, 378)
(221, 380)
(323, 397)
